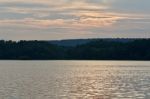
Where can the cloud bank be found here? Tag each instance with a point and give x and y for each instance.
(65, 19)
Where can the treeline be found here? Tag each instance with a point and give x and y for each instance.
(94, 50)
(30, 50)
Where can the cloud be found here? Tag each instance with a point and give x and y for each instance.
(87, 17)
(83, 20)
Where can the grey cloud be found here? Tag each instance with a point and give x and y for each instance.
(74, 19)
(141, 6)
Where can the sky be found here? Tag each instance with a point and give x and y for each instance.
(73, 19)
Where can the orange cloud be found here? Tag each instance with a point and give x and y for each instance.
(72, 23)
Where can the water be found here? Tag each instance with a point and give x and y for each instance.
(74, 80)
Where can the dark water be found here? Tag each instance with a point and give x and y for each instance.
(74, 80)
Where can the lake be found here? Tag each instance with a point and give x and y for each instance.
(74, 80)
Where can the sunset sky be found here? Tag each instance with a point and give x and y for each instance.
(70, 19)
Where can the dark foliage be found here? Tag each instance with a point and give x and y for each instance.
(94, 50)
(29, 50)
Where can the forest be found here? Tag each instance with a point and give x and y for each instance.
(99, 49)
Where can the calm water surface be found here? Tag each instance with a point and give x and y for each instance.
(74, 80)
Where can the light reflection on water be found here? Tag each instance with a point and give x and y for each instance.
(74, 80)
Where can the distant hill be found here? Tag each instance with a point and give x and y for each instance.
(75, 42)
(87, 49)
(71, 42)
